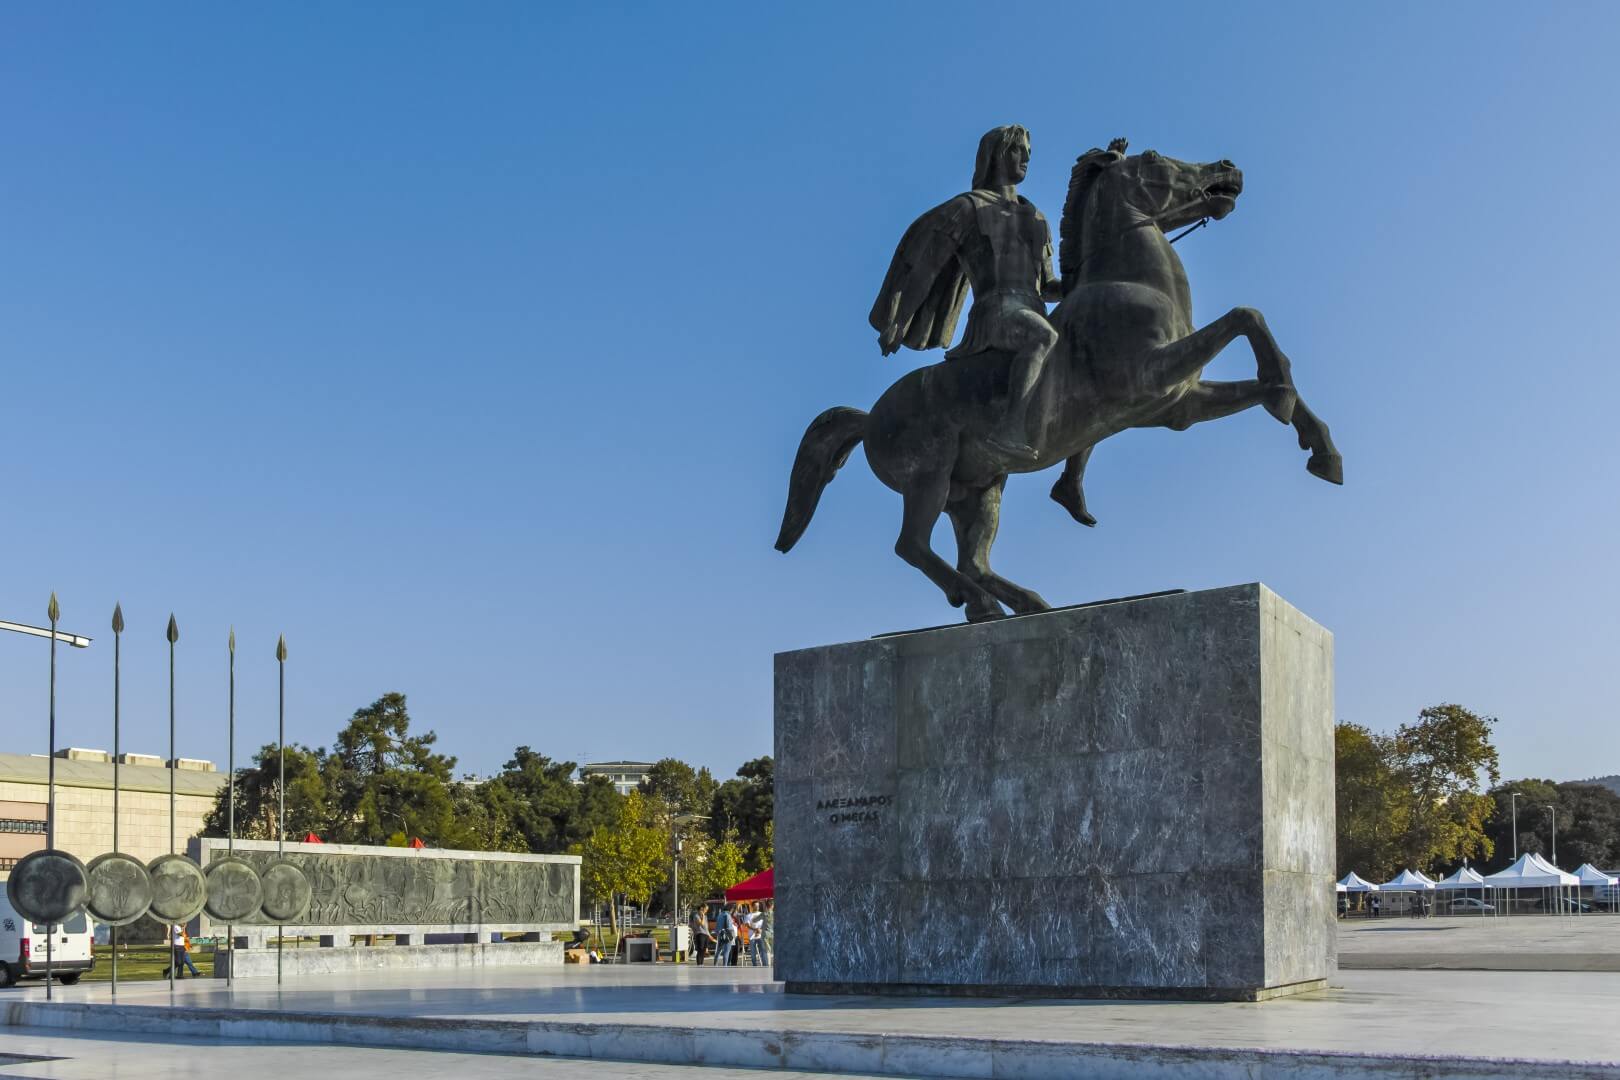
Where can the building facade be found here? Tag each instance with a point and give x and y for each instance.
(626, 775)
(84, 803)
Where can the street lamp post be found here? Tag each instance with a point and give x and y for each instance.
(675, 871)
(1513, 803)
(78, 641)
(1553, 812)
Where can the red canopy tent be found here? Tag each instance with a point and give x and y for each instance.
(759, 887)
(311, 838)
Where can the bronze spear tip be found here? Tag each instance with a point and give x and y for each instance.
(53, 610)
(281, 647)
(118, 618)
(232, 640)
(174, 631)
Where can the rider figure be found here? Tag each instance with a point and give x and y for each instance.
(997, 240)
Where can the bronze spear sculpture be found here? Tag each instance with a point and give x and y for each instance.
(230, 804)
(54, 611)
(173, 636)
(281, 774)
(118, 639)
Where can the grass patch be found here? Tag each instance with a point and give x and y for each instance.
(138, 962)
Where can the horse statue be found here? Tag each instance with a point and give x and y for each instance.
(1127, 356)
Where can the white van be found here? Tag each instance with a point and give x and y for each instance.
(22, 947)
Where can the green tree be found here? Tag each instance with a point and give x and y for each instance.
(745, 808)
(1413, 799)
(1588, 822)
(710, 867)
(685, 789)
(309, 798)
(1372, 809)
(387, 780)
(483, 818)
(625, 859)
(551, 811)
(1445, 758)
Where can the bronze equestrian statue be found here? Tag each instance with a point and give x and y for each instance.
(1119, 351)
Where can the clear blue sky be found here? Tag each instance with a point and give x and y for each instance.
(469, 347)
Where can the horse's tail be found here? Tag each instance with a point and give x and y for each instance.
(825, 447)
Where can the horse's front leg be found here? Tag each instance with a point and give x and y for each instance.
(1178, 361)
(1214, 400)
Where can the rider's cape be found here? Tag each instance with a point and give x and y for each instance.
(922, 294)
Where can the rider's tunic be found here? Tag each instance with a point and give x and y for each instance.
(1008, 261)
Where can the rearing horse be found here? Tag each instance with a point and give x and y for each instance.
(1127, 356)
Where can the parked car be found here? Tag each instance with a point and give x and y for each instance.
(22, 947)
(1583, 906)
(1466, 904)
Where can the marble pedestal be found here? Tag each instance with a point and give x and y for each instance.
(1128, 799)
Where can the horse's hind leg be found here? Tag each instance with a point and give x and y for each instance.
(976, 518)
(924, 501)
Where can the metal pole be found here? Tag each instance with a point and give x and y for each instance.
(281, 773)
(55, 613)
(118, 638)
(1513, 801)
(173, 636)
(230, 806)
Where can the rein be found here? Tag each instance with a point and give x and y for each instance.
(1190, 229)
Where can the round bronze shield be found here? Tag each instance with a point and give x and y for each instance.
(120, 889)
(178, 889)
(46, 886)
(286, 892)
(234, 891)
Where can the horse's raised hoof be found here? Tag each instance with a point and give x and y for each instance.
(1074, 502)
(1329, 467)
(1280, 401)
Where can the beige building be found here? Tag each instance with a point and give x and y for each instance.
(84, 803)
(626, 775)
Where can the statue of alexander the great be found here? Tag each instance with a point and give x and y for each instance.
(1025, 389)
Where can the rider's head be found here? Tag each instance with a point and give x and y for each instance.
(1003, 157)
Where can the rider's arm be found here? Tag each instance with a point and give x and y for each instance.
(1051, 285)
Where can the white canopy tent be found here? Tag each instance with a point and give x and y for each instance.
(1354, 882)
(1591, 875)
(1534, 872)
(1408, 881)
(1603, 885)
(1411, 881)
(1466, 878)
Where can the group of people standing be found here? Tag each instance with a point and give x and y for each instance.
(737, 933)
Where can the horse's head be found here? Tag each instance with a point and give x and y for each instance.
(1130, 190)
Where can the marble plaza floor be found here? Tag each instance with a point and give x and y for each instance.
(1472, 943)
(1383, 1023)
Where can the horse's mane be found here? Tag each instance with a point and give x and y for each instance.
(1070, 236)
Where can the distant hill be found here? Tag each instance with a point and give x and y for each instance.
(1610, 782)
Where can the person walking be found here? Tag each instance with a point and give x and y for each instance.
(180, 953)
(767, 930)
